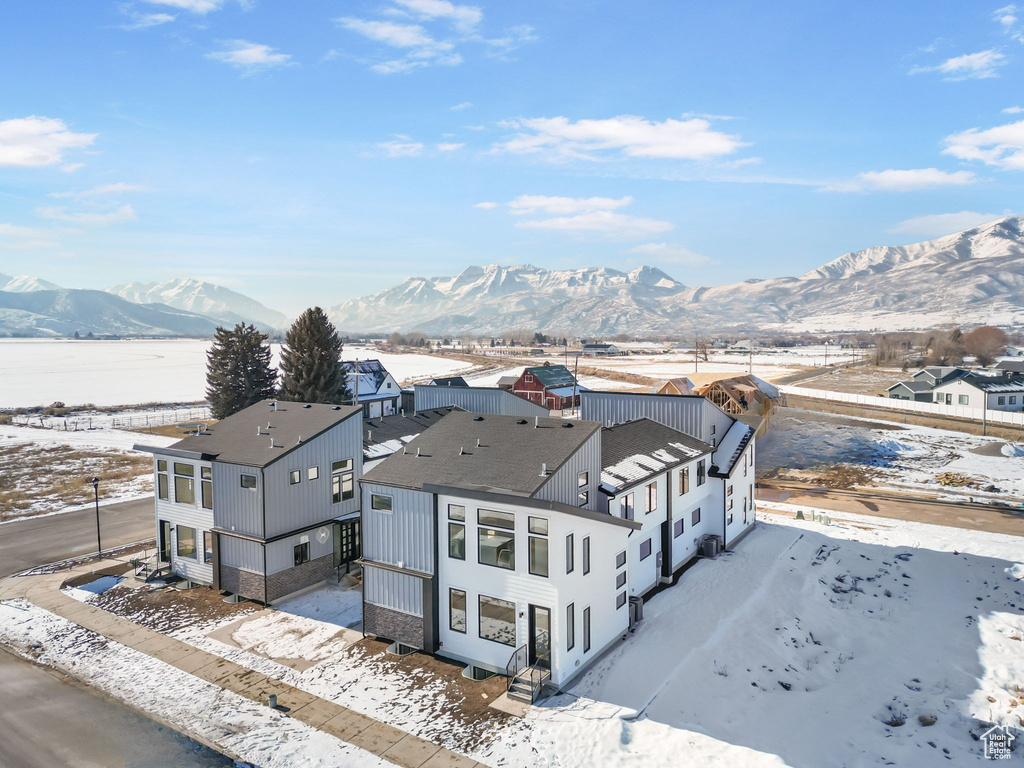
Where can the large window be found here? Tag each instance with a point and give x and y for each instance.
(586, 555)
(684, 480)
(586, 629)
(301, 552)
(498, 620)
(457, 610)
(700, 472)
(381, 503)
(206, 473)
(570, 627)
(184, 483)
(651, 498)
(457, 541)
(187, 542)
(626, 506)
(645, 549)
(161, 479)
(539, 555)
(496, 547)
(343, 484)
(493, 519)
(570, 553)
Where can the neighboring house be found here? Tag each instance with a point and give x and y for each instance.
(376, 389)
(741, 394)
(680, 386)
(450, 381)
(599, 350)
(1014, 352)
(921, 386)
(743, 345)
(920, 391)
(261, 504)
(552, 386)
(1013, 366)
(939, 374)
(524, 546)
(507, 382)
(994, 393)
(387, 434)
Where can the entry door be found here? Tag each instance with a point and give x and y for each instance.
(165, 541)
(540, 636)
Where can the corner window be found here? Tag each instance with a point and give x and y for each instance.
(301, 552)
(684, 480)
(312, 473)
(696, 517)
(498, 620)
(570, 552)
(456, 512)
(570, 627)
(651, 501)
(249, 481)
(343, 481)
(380, 502)
(645, 549)
(677, 528)
(457, 541)
(187, 542)
(207, 547)
(184, 484)
(294, 477)
(457, 610)
(586, 555)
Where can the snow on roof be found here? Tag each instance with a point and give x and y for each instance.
(567, 391)
(640, 449)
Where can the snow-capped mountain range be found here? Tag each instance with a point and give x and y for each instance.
(203, 298)
(976, 276)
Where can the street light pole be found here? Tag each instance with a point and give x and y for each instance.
(96, 492)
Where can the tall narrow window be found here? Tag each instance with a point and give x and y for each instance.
(343, 486)
(586, 629)
(570, 627)
(700, 472)
(684, 480)
(207, 547)
(161, 480)
(457, 610)
(539, 555)
(570, 559)
(651, 501)
(695, 517)
(626, 505)
(457, 541)
(206, 483)
(184, 483)
(645, 549)
(586, 555)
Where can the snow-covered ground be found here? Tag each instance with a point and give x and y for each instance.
(37, 372)
(900, 456)
(866, 642)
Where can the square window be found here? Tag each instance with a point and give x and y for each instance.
(312, 473)
(457, 610)
(583, 497)
(249, 481)
(301, 552)
(184, 490)
(206, 473)
(583, 480)
(456, 512)
(538, 525)
(620, 600)
(495, 519)
(620, 559)
(677, 528)
(620, 580)
(187, 542)
(161, 465)
(498, 620)
(457, 541)
(380, 502)
(294, 477)
(645, 549)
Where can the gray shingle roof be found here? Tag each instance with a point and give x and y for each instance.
(913, 386)
(385, 435)
(637, 450)
(234, 439)
(509, 458)
(449, 381)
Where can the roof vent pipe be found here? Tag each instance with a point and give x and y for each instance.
(405, 450)
(275, 405)
(299, 441)
(462, 451)
(272, 443)
(268, 425)
(536, 422)
(258, 430)
(369, 434)
(417, 451)
(544, 470)
(478, 442)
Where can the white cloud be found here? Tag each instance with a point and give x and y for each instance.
(250, 57)
(487, 206)
(1006, 16)
(464, 17)
(33, 142)
(122, 214)
(559, 138)
(102, 189)
(1002, 146)
(449, 146)
(970, 66)
(146, 20)
(18, 238)
(462, 106)
(513, 38)
(422, 49)
(195, 6)
(938, 224)
(605, 222)
(903, 180)
(398, 148)
(72, 167)
(1013, 110)
(671, 253)
(561, 206)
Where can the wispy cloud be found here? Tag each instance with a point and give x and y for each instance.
(462, 106)
(1001, 146)
(1008, 20)
(38, 141)
(486, 205)
(937, 224)
(449, 146)
(401, 148)
(583, 215)
(250, 57)
(559, 138)
(1013, 110)
(201, 7)
(422, 50)
(103, 189)
(15, 237)
(902, 180)
(526, 204)
(970, 66)
(672, 253)
(145, 20)
(465, 18)
(116, 216)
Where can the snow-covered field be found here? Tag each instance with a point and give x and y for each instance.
(41, 371)
(867, 642)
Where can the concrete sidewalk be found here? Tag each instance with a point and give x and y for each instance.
(388, 742)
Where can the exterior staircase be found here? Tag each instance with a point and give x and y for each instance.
(148, 567)
(526, 681)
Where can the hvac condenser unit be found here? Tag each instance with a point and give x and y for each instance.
(710, 546)
(636, 611)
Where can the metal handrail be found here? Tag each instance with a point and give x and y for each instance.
(513, 666)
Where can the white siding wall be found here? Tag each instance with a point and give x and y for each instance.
(192, 515)
(239, 553)
(975, 397)
(643, 574)
(703, 496)
(742, 482)
(555, 592)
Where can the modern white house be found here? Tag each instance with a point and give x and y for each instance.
(264, 503)
(373, 387)
(523, 546)
(1003, 392)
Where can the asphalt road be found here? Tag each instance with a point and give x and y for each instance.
(975, 517)
(49, 723)
(40, 540)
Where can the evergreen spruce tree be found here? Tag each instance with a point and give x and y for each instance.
(238, 370)
(311, 369)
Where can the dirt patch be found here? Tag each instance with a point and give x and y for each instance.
(466, 700)
(182, 430)
(833, 476)
(861, 380)
(166, 609)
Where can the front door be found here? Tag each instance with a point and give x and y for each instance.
(165, 541)
(540, 637)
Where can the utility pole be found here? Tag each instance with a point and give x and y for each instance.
(695, 342)
(96, 492)
(575, 383)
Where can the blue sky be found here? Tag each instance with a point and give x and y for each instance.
(313, 152)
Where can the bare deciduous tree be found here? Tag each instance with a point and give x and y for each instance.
(985, 343)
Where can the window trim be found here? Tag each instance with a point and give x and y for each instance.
(465, 611)
(241, 481)
(586, 555)
(313, 473)
(451, 529)
(195, 543)
(570, 553)
(480, 619)
(570, 627)
(387, 510)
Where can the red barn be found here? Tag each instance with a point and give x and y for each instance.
(551, 386)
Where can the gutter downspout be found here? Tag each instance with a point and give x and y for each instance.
(263, 500)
